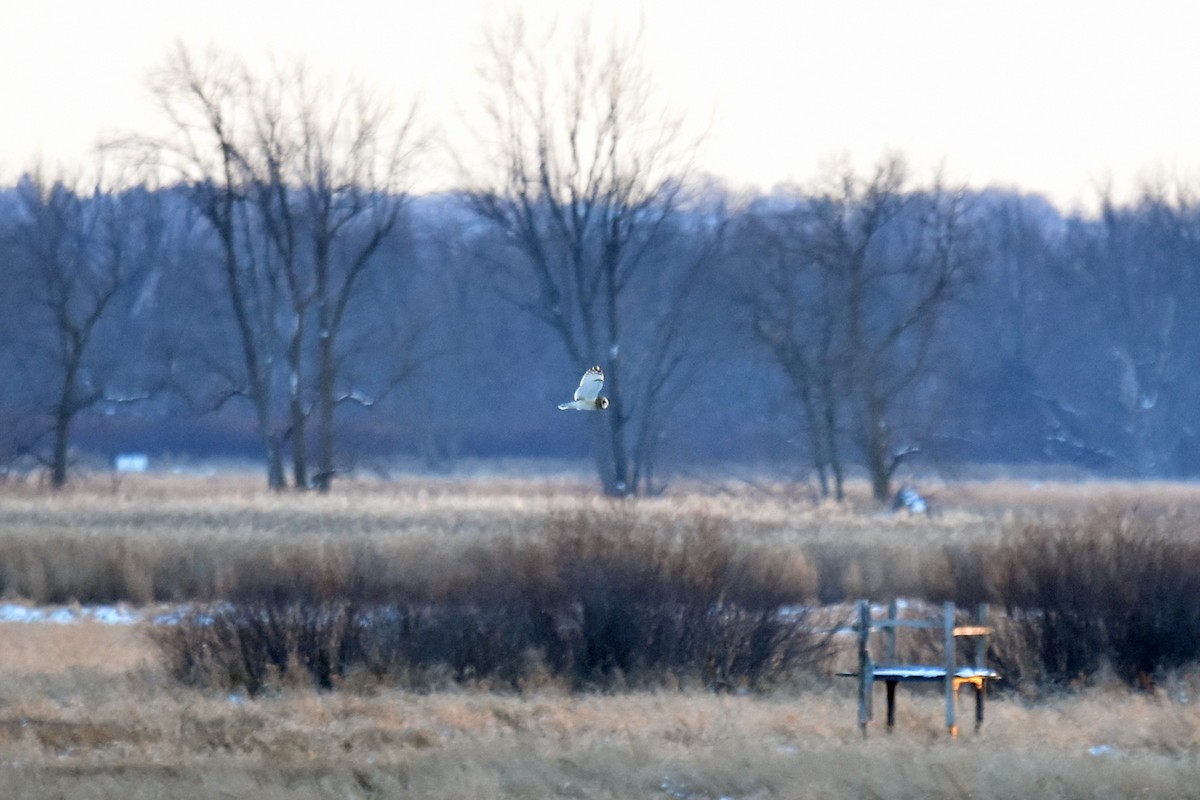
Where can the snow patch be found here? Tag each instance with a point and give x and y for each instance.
(66, 615)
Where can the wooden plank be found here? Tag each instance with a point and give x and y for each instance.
(948, 643)
(924, 672)
(889, 635)
(949, 673)
(981, 643)
(981, 615)
(866, 680)
(884, 624)
(905, 623)
(972, 630)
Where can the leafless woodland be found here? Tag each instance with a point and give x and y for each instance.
(256, 279)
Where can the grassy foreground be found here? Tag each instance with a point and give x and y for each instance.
(90, 711)
(125, 731)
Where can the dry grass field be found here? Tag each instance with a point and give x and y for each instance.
(90, 710)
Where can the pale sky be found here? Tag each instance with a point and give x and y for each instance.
(1051, 97)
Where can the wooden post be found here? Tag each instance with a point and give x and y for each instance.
(981, 640)
(891, 704)
(866, 678)
(979, 684)
(889, 638)
(948, 639)
(980, 659)
(889, 635)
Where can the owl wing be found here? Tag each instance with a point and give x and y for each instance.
(589, 385)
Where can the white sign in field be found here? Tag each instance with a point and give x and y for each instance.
(131, 462)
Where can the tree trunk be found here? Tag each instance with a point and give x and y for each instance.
(620, 486)
(62, 438)
(325, 408)
(816, 435)
(832, 452)
(63, 414)
(617, 483)
(276, 480)
(881, 482)
(272, 449)
(839, 478)
(299, 417)
(299, 436)
(879, 466)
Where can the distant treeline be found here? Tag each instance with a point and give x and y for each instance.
(256, 278)
(1067, 338)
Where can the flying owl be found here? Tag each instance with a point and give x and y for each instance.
(587, 396)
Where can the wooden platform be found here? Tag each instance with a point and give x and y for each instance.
(921, 672)
(892, 674)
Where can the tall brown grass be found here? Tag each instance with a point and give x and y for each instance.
(91, 735)
(163, 540)
(547, 567)
(123, 727)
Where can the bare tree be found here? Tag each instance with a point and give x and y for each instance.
(789, 305)
(302, 182)
(1015, 313)
(353, 161)
(269, 156)
(205, 103)
(75, 244)
(847, 299)
(1135, 266)
(583, 177)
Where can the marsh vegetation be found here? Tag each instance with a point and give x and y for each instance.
(527, 638)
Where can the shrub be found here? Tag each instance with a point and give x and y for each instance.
(1114, 589)
(597, 601)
